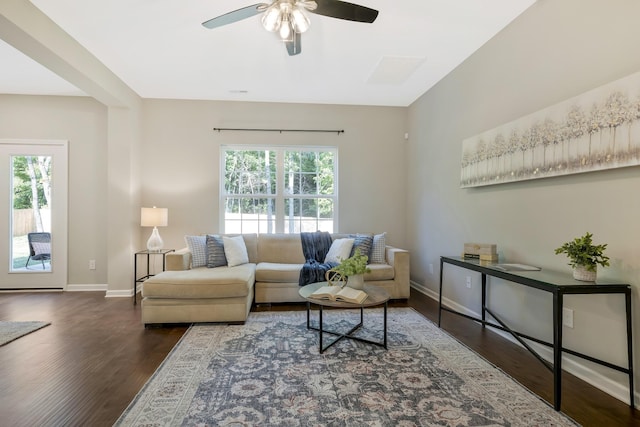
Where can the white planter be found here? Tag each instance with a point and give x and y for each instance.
(580, 272)
(356, 281)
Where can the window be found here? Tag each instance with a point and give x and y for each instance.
(278, 189)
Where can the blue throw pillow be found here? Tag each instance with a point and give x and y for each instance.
(364, 242)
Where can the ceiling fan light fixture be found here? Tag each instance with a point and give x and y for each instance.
(272, 19)
(300, 21)
(289, 17)
(285, 28)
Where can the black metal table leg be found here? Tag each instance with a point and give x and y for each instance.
(135, 278)
(484, 298)
(557, 350)
(440, 294)
(627, 299)
(386, 305)
(320, 327)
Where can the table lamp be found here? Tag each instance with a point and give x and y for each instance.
(154, 217)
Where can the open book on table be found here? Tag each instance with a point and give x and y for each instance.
(336, 293)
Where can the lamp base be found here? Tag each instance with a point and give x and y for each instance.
(155, 243)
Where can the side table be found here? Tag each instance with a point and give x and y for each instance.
(141, 279)
(376, 297)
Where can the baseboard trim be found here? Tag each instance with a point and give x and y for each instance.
(616, 389)
(120, 293)
(86, 288)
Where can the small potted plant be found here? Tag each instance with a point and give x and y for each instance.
(353, 268)
(584, 257)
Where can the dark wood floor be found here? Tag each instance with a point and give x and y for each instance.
(86, 367)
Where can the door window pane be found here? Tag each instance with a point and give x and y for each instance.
(31, 213)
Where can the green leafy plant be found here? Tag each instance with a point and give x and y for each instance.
(356, 264)
(582, 251)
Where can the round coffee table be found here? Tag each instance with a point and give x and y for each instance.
(376, 296)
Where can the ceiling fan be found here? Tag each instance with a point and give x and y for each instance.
(288, 18)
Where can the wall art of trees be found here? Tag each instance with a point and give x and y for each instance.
(595, 131)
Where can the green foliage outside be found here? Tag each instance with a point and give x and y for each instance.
(22, 194)
(253, 173)
(31, 190)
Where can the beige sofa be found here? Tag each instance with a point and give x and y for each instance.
(182, 294)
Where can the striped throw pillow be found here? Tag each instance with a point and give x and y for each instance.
(215, 251)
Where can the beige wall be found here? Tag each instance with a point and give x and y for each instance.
(180, 159)
(554, 51)
(83, 122)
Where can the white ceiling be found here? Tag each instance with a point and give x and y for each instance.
(160, 49)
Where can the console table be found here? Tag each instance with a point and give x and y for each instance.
(558, 285)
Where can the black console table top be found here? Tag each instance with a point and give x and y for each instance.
(558, 284)
(547, 280)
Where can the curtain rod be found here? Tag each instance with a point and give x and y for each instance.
(281, 130)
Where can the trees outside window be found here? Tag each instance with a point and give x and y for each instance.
(278, 189)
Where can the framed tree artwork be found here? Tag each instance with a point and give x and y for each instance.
(596, 130)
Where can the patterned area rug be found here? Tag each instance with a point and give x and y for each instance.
(11, 331)
(269, 372)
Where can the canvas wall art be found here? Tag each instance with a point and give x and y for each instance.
(597, 130)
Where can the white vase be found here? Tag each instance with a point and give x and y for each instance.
(155, 243)
(356, 281)
(580, 272)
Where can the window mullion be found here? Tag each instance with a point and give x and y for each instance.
(280, 190)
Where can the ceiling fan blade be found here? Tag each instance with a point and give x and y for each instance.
(343, 10)
(294, 47)
(235, 16)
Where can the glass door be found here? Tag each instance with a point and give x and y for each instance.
(34, 184)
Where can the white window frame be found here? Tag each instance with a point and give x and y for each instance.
(281, 195)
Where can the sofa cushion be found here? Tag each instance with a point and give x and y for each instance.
(277, 272)
(235, 251)
(202, 282)
(215, 251)
(281, 248)
(340, 249)
(379, 272)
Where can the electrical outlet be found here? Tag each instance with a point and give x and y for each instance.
(468, 282)
(92, 264)
(567, 317)
(430, 268)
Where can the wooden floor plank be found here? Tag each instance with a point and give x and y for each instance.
(87, 366)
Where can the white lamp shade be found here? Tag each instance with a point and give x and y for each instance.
(154, 217)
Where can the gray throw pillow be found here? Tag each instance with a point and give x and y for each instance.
(364, 242)
(215, 251)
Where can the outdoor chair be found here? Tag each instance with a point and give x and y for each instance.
(39, 247)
